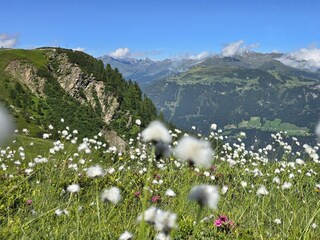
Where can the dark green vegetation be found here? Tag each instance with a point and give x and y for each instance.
(44, 85)
(241, 92)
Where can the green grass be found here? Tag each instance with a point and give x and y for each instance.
(273, 126)
(36, 57)
(297, 208)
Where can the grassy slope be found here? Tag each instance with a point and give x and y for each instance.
(34, 57)
(298, 207)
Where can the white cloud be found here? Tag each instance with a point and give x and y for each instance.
(79, 49)
(192, 56)
(120, 53)
(236, 48)
(126, 52)
(7, 41)
(304, 58)
(199, 56)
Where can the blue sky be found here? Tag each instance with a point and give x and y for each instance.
(162, 28)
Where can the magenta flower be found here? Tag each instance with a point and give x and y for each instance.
(223, 218)
(218, 223)
(137, 194)
(224, 224)
(29, 202)
(154, 199)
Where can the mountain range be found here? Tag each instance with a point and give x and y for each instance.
(145, 71)
(249, 91)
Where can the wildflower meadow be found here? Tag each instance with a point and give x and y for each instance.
(167, 185)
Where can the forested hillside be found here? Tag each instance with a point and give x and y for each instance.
(42, 86)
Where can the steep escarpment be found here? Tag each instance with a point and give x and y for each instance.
(44, 85)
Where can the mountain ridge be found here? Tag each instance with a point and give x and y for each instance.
(232, 91)
(43, 85)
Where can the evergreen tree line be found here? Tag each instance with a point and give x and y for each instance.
(57, 104)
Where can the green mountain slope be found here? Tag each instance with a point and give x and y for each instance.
(44, 85)
(237, 90)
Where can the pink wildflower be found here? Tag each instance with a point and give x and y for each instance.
(223, 218)
(155, 198)
(218, 223)
(137, 194)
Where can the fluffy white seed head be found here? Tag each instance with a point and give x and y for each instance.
(170, 193)
(156, 131)
(149, 215)
(95, 171)
(6, 124)
(286, 185)
(205, 195)
(318, 130)
(262, 191)
(138, 122)
(277, 221)
(162, 236)
(165, 221)
(111, 195)
(73, 188)
(194, 151)
(126, 236)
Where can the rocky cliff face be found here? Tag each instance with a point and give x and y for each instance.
(73, 80)
(27, 75)
(78, 84)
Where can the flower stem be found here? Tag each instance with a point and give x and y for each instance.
(98, 208)
(141, 234)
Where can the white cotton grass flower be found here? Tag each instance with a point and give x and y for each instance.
(60, 212)
(314, 225)
(262, 191)
(194, 151)
(224, 189)
(318, 130)
(213, 126)
(162, 236)
(299, 161)
(156, 132)
(45, 136)
(149, 215)
(165, 221)
(6, 123)
(286, 185)
(138, 122)
(73, 188)
(126, 236)
(170, 193)
(205, 195)
(276, 180)
(95, 171)
(111, 195)
(277, 221)
(244, 184)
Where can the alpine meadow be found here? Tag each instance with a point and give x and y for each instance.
(160, 120)
(87, 161)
